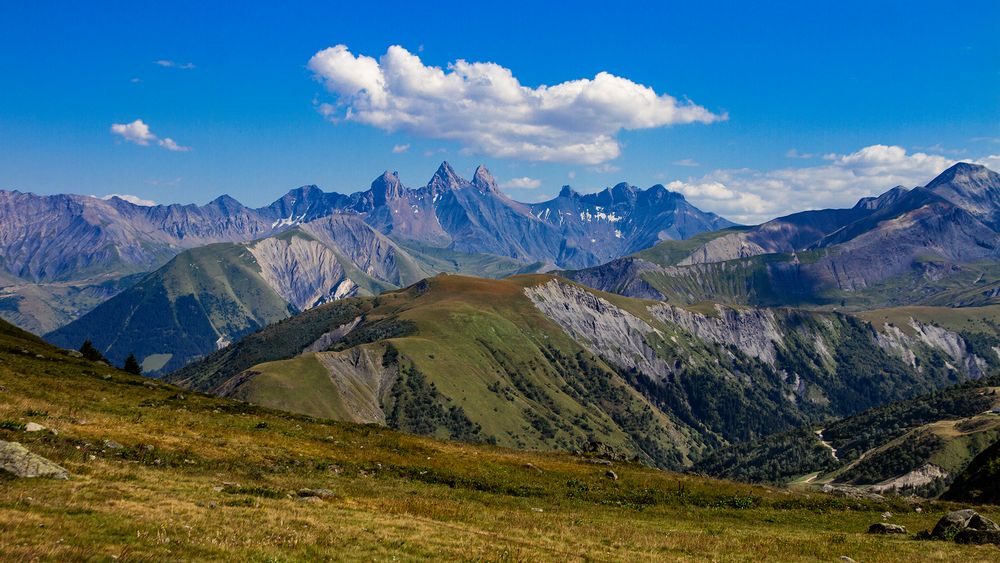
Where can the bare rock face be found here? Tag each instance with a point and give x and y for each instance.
(605, 329)
(18, 461)
(893, 340)
(303, 272)
(753, 331)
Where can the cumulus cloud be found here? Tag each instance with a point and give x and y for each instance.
(752, 196)
(485, 108)
(174, 64)
(131, 199)
(522, 183)
(399, 149)
(138, 132)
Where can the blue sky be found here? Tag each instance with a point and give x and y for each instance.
(845, 85)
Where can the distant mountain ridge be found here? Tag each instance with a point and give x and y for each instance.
(932, 244)
(80, 242)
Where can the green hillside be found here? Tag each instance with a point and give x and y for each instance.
(208, 297)
(878, 448)
(484, 361)
(158, 472)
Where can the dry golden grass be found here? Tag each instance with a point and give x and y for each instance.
(199, 478)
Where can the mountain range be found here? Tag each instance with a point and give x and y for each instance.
(936, 244)
(62, 255)
(670, 336)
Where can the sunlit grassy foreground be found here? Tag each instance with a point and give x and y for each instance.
(162, 474)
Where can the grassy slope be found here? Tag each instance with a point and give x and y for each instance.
(297, 385)
(487, 350)
(181, 308)
(205, 478)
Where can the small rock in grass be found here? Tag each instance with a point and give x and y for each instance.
(33, 427)
(537, 510)
(316, 493)
(846, 559)
(611, 475)
(112, 445)
(884, 528)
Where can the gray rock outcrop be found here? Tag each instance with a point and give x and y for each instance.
(18, 461)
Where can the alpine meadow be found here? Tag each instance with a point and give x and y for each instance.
(325, 281)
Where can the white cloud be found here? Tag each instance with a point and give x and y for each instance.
(399, 149)
(523, 183)
(174, 64)
(486, 109)
(138, 132)
(170, 145)
(753, 196)
(131, 199)
(992, 162)
(686, 162)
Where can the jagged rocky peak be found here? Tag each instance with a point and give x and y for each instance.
(386, 187)
(878, 202)
(567, 191)
(446, 179)
(483, 180)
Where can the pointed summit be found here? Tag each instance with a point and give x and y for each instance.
(386, 187)
(446, 179)
(964, 173)
(483, 180)
(567, 191)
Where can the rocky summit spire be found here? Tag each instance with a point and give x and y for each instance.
(386, 187)
(446, 179)
(567, 191)
(483, 180)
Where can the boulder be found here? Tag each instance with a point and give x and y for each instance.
(982, 524)
(978, 537)
(18, 461)
(952, 523)
(884, 528)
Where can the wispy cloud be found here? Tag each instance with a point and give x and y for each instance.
(522, 183)
(139, 133)
(794, 153)
(165, 63)
(690, 162)
(604, 168)
(486, 109)
(400, 149)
